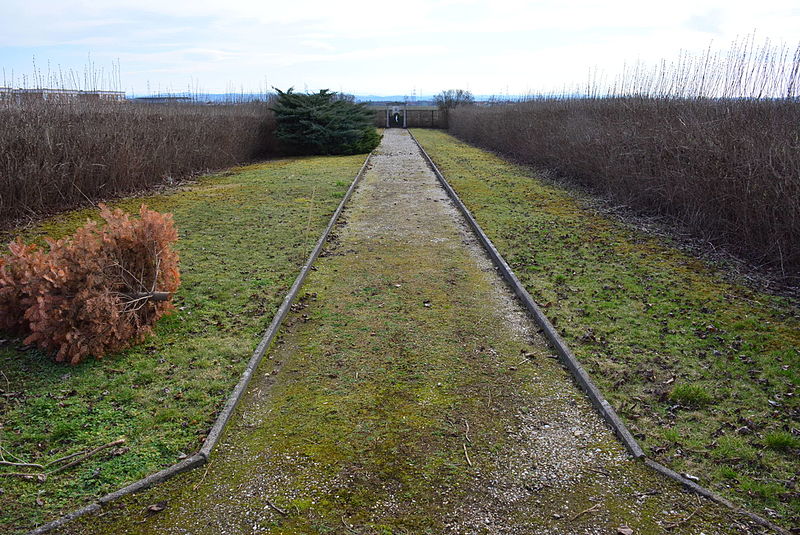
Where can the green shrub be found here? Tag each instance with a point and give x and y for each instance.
(323, 123)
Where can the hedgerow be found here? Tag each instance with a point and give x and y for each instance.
(58, 155)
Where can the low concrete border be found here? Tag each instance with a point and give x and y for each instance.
(202, 456)
(565, 355)
(572, 364)
(233, 400)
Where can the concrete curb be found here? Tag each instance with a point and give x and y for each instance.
(202, 456)
(564, 354)
(227, 411)
(573, 365)
(713, 496)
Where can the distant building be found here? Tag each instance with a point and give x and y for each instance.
(163, 99)
(63, 95)
(407, 114)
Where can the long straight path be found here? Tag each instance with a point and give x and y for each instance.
(409, 394)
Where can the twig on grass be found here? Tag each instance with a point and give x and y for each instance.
(466, 433)
(349, 528)
(21, 465)
(599, 471)
(91, 453)
(589, 510)
(673, 525)
(647, 493)
(65, 458)
(276, 508)
(469, 462)
(197, 485)
(4, 452)
(25, 475)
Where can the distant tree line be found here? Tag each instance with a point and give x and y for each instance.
(452, 98)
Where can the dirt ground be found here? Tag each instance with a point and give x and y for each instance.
(408, 393)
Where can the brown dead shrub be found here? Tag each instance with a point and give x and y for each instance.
(90, 294)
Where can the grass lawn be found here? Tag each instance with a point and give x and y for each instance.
(244, 234)
(703, 371)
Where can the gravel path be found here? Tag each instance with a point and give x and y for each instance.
(409, 393)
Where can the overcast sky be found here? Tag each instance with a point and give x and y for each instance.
(370, 47)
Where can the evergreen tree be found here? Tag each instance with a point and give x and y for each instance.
(323, 123)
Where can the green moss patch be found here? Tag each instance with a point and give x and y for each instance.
(686, 357)
(243, 236)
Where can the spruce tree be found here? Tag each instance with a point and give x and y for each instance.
(323, 123)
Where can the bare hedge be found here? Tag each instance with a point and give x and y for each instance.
(728, 169)
(58, 155)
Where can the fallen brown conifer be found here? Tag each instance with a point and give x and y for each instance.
(94, 292)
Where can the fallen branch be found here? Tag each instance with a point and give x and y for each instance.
(466, 433)
(64, 458)
(91, 453)
(589, 510)
(23, 465)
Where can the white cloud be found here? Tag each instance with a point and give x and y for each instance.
(434, 43)
(318, 45)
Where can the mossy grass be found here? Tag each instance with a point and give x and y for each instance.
(691, 395)
(781, 441)
(244, 234)
(685, 355)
